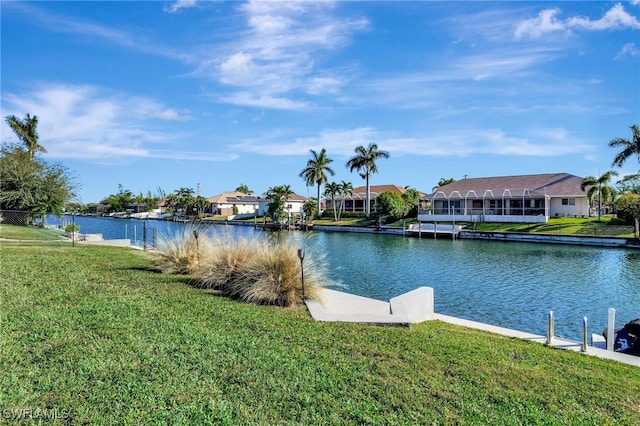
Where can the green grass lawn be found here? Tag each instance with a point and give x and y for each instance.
(28, 233)
(94, 332)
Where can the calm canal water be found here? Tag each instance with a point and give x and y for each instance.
(512, 285)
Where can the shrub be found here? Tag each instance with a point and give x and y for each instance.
(71, 228)
(182, 252)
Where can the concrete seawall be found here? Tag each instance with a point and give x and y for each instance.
(584, 240)
(552, 239)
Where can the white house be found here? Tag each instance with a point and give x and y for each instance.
(292, 207)
(526, 199)
(235, 204)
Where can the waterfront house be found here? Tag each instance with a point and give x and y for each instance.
(292, 207)
(523, 199)
(356, 202)
(235, 204)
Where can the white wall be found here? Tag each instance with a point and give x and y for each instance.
(556, 209)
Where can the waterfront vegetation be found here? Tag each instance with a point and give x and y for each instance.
(263, 270)
(97, 332)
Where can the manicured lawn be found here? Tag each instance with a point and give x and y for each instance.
(564, 225)
(28, 233)
(96, 332)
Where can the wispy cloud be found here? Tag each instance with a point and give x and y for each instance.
(61, 23)
(82, 121)
(446, 143)
(629, 49)
(180, 4)
(548, 21)
(275, 60)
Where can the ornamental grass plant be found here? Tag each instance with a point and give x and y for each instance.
(181, 253)
(254, 269)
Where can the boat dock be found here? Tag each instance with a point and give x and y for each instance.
(433, 230)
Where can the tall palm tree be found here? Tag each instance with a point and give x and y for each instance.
(331, 190)
(316, 171)
(365, 163)
(629, 147)
(599, 187)
(27, 132)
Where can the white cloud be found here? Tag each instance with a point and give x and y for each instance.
(276, 57)
(263, 101)
(82, 121)
(180, 4)
(545, 22)
(548, 21)
(628, 49)
(445, 143)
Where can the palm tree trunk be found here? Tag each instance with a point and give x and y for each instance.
(367, 199)
(318, 205)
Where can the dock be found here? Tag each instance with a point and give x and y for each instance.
(433, 230)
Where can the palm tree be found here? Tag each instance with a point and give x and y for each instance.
(346, 189)
(309, 207)
(332, 189)
(27, 132)
(315, 172)
(629, 147)
(598, 187)
(365, 162)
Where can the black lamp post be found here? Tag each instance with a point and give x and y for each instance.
(195, 235)
(301, 257)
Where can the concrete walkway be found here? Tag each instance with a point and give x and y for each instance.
(417, 306)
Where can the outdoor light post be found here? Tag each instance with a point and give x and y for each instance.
(301, 257)
(195, 235)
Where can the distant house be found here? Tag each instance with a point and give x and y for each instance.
(98, 208)
(355, 202)
(234, 204)
(526, 198)
(293, 206)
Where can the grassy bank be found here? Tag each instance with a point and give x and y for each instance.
(15, 232)
(97, 335)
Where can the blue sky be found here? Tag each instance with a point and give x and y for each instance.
(175, 94)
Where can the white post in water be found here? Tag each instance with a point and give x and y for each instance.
(583, 348)
(550, 328)
(611, 329)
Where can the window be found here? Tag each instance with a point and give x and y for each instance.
(568, 201)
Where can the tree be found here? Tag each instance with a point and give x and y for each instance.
(309, 207)
(392, 205)
(244, 189)
(629, 147)
(443, 181)
(628, 207)
(118, 202)
(278, 196)
(185, 198)
(316, 171)
(33, 185)
(200, 203)
(629, 184)
(27, 132)
(365, 163)
(346, 189)
(598, 188)
(411, 198)
(331, 190)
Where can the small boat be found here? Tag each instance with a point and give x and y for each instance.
(626, 340)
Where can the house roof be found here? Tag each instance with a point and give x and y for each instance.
(379, 189)
(550, 184)
(234, 197)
